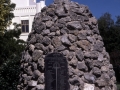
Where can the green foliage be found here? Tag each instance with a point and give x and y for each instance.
(9, 74)
(10, 44)
(110, 32)
(118, 86)
(11, 48)
(6, 15)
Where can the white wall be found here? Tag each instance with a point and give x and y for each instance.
(26, 10)
(23, 3)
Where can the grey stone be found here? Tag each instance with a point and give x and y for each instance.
(71, 56)
(33, 88)
(41, 79)
(104, 69)
(74, 81)
(60, 11)
(39, 38)
(72, 38)
(46, 18)
(60, 1)
(73, 17)
(39, 46)
(40, 27)
(89, 86)
(101, 83)
(52, 34)
(100, 57)
(33, 40)
(82, 66)
(46, 32)
(65, 52)
(84, 44)
(56, 42)
(90, 78)
(36, 73)
(61, 48)
(77, 10)
(90, 39)
(53, 29)
(65, 19)
(79, 55)
(60, 25)
(27, 57)
(82, 36)
(63, 31)
(49, 24)
(65, 40)
(78, 73)
(51, 48)
(89, 63)
(46, 40)
(74, 32)
(73, 62)
(98, 46)
(96, 71)
(37, 54)
(32, 83)
(41, 63)
(74, 4)
(72, 48)
(93, 20)
(70, 71)
(111, 73)
(58, 33)
(31, 47)
(74, 25)
(40, 87)
(98, 64)
(92, 54)
(96, 31)
(51, 12)
(34, 66)
(105, 77)
(67, 7)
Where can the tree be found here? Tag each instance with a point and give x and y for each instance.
(6, 15)
(11, 48)
(110, 32)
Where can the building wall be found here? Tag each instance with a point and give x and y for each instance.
(25, 11)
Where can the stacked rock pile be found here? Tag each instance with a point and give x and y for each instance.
(68, 28)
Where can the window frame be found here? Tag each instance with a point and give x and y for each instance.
(25, 25)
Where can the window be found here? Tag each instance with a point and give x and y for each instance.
(25, 26)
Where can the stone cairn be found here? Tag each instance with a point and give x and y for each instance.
(68, 28)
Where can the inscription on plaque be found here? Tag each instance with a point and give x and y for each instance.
(56, 73)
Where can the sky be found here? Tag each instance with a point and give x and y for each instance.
(99, 7)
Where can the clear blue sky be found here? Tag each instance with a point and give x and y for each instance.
(99, 7)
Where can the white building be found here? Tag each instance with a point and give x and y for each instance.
(24, 14)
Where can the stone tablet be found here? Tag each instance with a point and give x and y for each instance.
(56, 77)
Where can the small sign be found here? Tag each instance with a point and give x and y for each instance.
(56, 72)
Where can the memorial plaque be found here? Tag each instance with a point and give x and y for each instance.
(56, 72)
